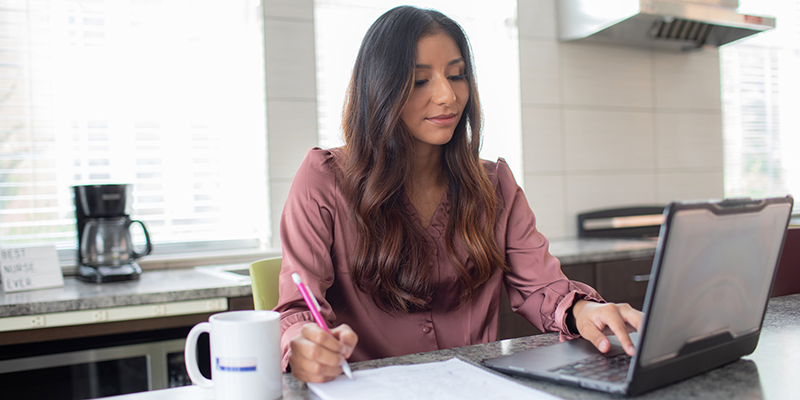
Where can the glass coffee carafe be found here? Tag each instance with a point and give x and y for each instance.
(107, 242)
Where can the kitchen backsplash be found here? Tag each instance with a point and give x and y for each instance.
(607, 125)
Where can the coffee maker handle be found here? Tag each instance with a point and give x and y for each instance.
(148, 245)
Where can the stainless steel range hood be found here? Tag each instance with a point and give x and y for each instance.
(671, 24)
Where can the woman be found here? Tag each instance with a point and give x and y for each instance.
(404, 235)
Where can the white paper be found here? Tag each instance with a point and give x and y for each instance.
(451, 379)
(28, 268)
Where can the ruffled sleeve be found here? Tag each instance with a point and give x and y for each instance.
(306, 231)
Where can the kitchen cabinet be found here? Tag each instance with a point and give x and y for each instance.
(111, 328)
(104, 358)
(624, 281)
(787, 278)
(618, 281)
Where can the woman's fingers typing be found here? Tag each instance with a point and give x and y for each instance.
(632, 317)
(592, 319)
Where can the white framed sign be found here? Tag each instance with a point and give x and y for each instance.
(28, 268)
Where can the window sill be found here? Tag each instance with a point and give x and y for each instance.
(196, 259)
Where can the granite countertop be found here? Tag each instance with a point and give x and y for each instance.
(161, 286)
(165, 286)
(769, 373)
(578, 251)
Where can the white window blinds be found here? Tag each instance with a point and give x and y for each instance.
(166, 95)
(760, 101)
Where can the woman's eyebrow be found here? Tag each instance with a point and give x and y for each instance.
(428, 66)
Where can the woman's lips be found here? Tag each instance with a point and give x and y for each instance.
(443, 120)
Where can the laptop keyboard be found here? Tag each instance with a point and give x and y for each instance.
(610, 369)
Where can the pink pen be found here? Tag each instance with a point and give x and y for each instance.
(313, 305)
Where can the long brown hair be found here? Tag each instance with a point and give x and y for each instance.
(391, 258)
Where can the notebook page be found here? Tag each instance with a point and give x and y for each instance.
(451, 379)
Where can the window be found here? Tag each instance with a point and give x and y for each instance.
(760, 100)
(166, 95)
(491, 28)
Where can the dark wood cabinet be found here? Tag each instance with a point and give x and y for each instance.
(585, 273)
(241, 303)
(620, 281)
(787, 278)
(624, 281)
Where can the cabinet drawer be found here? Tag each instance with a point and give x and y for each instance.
(624, 281)
(580, 272)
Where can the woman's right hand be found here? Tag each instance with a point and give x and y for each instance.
(318, 356)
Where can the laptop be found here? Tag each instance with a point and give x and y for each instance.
(711, 279)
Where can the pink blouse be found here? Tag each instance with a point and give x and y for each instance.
(318, 236)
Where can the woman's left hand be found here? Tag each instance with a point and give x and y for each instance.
(592, 319)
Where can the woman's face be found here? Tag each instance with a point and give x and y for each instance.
(440, 91)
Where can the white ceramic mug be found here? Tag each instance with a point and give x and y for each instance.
(245, 355)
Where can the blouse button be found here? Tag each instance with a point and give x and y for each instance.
(429, 299)
(426, 329)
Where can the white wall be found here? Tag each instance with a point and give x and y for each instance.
(291, 95)
(602, 125)
(607, 126)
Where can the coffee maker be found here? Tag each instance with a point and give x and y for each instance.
(105, 249)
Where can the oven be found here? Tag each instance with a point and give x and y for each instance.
(624, 222)
(97, 367)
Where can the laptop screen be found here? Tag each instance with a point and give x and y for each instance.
(715, 276)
